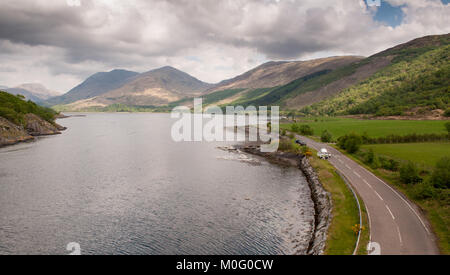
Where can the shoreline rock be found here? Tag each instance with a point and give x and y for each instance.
(323, 208)
(11, 134)
(321, 198)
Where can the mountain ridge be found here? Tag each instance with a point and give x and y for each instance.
(292, 85)
(32, 91)
(95, 85)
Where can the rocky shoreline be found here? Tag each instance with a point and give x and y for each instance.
(11, 133)
(321, 198)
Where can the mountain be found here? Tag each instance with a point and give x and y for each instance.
(3, 87)
(415, 83)
(95, 85)
(272, 82)
(33, 91)
(407, 79)
(154, 88)
(273, 74)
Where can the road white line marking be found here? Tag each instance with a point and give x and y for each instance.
(378, 195)
(409, 205)
(399, 235)
(348, 167)
(390, 212)
(370, 224)
(365, 181)
(340, 160)
(358, 175)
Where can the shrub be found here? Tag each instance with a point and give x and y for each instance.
(351, 143)
(447, 126)
(447, 112)
(306, 130)
(409, 174)
(440, 178)
(326, 136)
(390, 164)
(370, 157)
(424, 190)
(11, 115)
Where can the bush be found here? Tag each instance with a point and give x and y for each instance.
(326, 136)
(390, 164)
(440, 178)
(11, 115)
(306, 130)
(447, 113)
(351, 143)
(370, 157)
(447, 126)
(409, 174)
(424, 190)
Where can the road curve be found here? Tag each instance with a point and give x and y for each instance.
(396, 224)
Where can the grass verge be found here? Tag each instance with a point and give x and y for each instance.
(341, 235)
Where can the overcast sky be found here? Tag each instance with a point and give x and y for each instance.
(61, 42)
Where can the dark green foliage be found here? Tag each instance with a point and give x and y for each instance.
(326, 136)
(440, 177)
(220, 95)
(424, 190)
(447, 112)
(447, 126)
(14, 108)
(429, 90)
(409, 173)
(412, 138)
(417, 77)
(305, 130)
(389, 164)
(370, 157)
(277, 94)
(351, 143)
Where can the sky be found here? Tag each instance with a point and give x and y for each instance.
(60, 43)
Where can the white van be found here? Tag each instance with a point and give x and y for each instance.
(323, 154)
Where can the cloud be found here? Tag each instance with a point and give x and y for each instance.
(59, 43)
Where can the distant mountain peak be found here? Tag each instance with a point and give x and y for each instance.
(95, 85)
(33, 91)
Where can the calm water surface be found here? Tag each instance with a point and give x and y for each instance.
(118, 184)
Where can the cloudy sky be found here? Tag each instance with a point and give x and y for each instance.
(61, 42)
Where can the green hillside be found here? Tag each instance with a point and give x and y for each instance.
(417, 78)
(413, 78)
(14, 109)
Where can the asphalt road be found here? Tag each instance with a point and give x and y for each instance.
(396, 224)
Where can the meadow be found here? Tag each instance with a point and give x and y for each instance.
(426, 154)
(374, 128)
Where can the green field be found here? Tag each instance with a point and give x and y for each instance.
(424, 153)
(374, 128)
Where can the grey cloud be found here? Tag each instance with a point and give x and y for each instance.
(142, 34)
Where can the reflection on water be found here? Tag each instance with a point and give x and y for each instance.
(118, 184)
